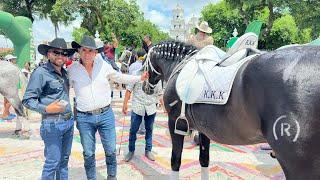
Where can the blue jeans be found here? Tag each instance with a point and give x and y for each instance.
(135, 123)
(88, 125)
(57, 136)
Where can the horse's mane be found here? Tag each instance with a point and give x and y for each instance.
(172, 50)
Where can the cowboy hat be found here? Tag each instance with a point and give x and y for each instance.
(87, 42)
(57, 43)
(9, 57)
(204, 27)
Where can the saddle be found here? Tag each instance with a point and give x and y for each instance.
(208, 76)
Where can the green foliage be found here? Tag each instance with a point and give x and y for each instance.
(135, 33)
(28, 8)
(306, 14)
(78, 33)
(222, 19)
(121, 17)
(284, 31)
(305, 35)
(285, 22)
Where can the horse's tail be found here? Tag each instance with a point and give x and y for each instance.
(22, 82)
(22, 86)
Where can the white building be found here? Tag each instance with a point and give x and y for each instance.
(180, 30)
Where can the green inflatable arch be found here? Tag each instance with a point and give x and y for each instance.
(18, 29)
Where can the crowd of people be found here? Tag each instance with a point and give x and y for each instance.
(48, 89)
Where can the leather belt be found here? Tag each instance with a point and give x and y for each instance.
(64, 117)
(96, 111)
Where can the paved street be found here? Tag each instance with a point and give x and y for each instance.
(22, 158)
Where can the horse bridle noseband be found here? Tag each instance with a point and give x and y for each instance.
(146, 68)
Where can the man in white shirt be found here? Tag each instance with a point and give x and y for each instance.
(89, 77)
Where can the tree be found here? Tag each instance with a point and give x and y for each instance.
(222, 19)
(27, 8)
(135, 33)
(121, 17)
(306, 14)
(250, 9)
(105, 16)
(302, 26)
(78, 33)
(284, 31)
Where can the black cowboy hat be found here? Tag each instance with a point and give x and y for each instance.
(87, 42)
(57, 43)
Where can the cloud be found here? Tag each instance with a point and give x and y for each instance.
(160, 12)
(158, 18)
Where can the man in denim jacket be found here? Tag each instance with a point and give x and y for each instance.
(48, 93)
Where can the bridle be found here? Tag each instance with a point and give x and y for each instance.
(146, 66)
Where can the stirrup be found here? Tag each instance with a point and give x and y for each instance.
(182, 118)
(181, 132)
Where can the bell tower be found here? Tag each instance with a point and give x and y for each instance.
(178, 28)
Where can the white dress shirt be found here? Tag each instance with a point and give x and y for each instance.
(94, 93)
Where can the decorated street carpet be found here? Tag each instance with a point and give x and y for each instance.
(22, 158)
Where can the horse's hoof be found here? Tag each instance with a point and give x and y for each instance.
(196, 139)
(273, 155)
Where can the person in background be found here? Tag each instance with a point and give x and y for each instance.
(108, 55)
(147, 43)
(202, 37)
(143, 107)
(6, 104)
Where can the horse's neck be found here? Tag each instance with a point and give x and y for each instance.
(168, 69)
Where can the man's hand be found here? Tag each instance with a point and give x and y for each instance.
(55, 107)
(144, 76)
(162, 105)
(125, 108)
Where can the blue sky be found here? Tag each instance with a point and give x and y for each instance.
(158, 12)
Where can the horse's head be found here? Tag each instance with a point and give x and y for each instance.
(126, 60)
(161, 60)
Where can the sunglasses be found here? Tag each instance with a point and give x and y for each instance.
(57, 53)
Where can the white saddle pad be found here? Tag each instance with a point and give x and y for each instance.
(201, 81)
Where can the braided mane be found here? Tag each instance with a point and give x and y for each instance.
(172, 50)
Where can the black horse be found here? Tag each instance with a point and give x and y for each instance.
(275, 99)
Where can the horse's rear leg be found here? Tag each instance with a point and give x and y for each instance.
(17, 105)
(299, 159)
(177, 146)
(204, 157)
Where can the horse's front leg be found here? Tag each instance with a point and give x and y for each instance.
(204, 157)
(177, 146)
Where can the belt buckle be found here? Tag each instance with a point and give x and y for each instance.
(97, 111)
(67, 116)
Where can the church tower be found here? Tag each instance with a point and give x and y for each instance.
(178, 28)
